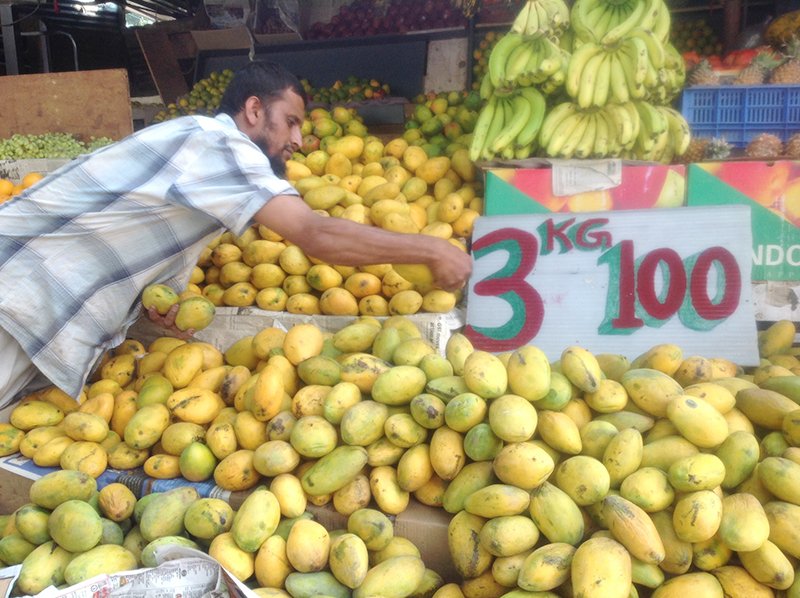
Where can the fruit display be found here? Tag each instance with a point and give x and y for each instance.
(593, 82)
(48, 145)
(366, 17)
(70, 531)
(9, 189)
(396, 186)
(695, 35)
(663, 473)
(352, 89)
(203, 98)
(441, 123)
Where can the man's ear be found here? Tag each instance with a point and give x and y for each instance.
(252, 109)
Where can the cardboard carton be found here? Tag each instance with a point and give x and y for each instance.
(772, 191)
(583, 187)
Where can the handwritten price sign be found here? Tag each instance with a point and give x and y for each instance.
(615, 282)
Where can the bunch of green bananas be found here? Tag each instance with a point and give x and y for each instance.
(530, 54)
(519, 60)
(634, 129)
(621, 53)
(508, 125)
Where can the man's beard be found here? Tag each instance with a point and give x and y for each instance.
(276, 161)
(278, 165)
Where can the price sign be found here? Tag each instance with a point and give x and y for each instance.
(615, 282)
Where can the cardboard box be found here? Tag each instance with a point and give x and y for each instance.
(581, 187)
(83, 103)
(772, 191)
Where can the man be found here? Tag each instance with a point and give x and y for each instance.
(78, 248)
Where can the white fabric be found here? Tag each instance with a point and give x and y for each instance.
(16, 368)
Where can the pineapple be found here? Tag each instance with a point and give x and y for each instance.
(788, 71)
(756, 72)
(696, 152)
(718, 149)
(703, 74)
(765, 146)
(792, 148)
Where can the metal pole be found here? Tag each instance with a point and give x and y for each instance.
(9, 39)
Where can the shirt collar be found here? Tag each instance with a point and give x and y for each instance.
(226, 119)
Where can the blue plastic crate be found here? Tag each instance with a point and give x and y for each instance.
(740, 112)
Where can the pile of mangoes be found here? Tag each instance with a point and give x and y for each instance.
(666, 473)
(397, 186)
(70, 532)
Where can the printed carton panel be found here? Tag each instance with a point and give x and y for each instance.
(772, 190)
(512, 191)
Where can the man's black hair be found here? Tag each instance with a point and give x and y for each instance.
(265, 80)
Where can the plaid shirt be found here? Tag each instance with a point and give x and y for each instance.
(78, 248)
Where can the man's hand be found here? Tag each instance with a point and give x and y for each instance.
(451, 267)
(167, 321)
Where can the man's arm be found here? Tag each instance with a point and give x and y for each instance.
(346, 243)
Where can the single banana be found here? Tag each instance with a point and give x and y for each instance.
(651, 13)
(486, 88)
(622, 123)
(523, 152)
(629, 64)
(516, 63)
(521, 108)
(518, 26)
(602, 141)
(481, 129)
(507, 153)
(567, 149)
(589, 79)
(637, 49)
(558, 14)
(679, 130)
(613, 35)
(583, 31)
(584, 147)
(617, 83)
(636, 122)
(499, 57)
(645, 140)
(655, 49)
(550, 63)
(553, 119)
(562, 132)
(538, 108)
(580, 57)
(662, 23)
(650, 78)
(602, 85)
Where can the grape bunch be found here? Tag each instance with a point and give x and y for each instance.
(48, 145)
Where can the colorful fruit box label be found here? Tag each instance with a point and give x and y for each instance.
(614, 282)
(531, 190)
(772, 190)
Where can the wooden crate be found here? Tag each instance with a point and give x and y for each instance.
(83, 103)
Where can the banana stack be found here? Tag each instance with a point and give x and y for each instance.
(530, 54)
(614, 64)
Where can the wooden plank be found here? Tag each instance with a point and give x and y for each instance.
(84, 103)
(163, 64)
